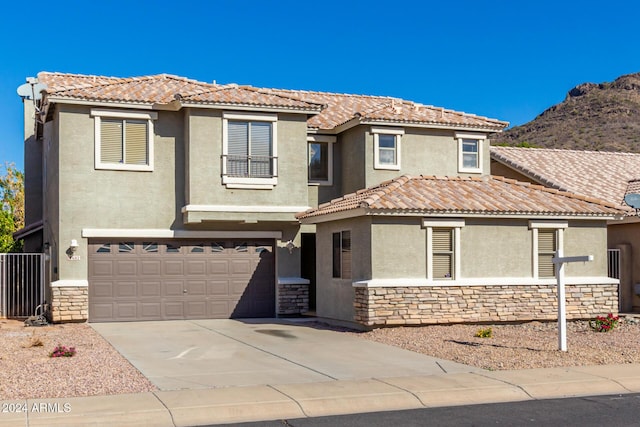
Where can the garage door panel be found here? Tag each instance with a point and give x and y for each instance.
(101, 311)
(196, 287)
(217, 287)
(174, 267)
(102, 268)
(127, 310)
(196, 267)
(150, 289)
(180, 279)
(196, 309)
(173, 288)
(150, 267)
(102, 289)
(218, 266)
(173, 309)
(240, 267)
(151, 310)
(219, 309)
(126, 267)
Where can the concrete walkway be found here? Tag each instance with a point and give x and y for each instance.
(343, 393)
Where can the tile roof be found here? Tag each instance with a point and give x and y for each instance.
(342, 108)
(488, 195)
(334, 109)
(599, 174)
(161, 89)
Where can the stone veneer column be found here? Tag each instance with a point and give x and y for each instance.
(69, 303)
(418, 305)
(293, 298)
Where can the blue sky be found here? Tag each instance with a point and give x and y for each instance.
(503, 59)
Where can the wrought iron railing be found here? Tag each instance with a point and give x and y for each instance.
(249, 166)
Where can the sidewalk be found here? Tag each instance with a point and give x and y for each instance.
(273, 402)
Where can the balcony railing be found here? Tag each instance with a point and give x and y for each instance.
(249, 166)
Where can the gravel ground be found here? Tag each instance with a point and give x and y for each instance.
(27, 371)
(521, 346)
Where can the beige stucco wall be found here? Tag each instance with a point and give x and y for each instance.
(79, 196)
(398, 248)
(204, 151)
(334, 296)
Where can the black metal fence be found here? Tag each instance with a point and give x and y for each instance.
(21, 284)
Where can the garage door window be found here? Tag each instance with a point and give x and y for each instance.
(126, 247)
(104, 249)
(150, 247)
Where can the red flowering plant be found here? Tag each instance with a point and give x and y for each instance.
(62, 351)
(604, 324)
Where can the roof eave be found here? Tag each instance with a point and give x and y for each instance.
(250, 107)
(358, 212)
(469, 128)
(116, 104)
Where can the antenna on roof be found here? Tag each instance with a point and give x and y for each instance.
(32, 90)
(633, 200)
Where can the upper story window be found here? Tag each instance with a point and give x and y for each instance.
(470, 152)
(320, 152)
(547, 240)
(249, 150)
(386, 146)
(123, 139)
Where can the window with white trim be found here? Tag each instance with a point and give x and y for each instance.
(342, 254)
(547, 240)
(123, 139)
(249, 155)
(470, 152)
(320, 159)
(386, 146)
(443, 248)
(547, 247)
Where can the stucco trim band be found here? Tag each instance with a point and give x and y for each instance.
(171, 234)
(70, 284)
(493, 281)
(293, 281)
(243, 208)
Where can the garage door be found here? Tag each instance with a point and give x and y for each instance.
(162, 280)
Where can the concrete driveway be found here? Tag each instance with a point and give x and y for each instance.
(198, 354)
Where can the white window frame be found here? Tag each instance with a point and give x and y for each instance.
(480, 138)
(149, 116)
(397, 132)
(329, 140)
(241, 182)
(534, 226)
(454, 224)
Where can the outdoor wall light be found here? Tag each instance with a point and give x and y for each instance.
(290, 246)
(74, 245)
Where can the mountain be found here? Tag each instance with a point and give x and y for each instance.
(593, 116)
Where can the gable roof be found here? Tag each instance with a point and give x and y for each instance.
(464, 196)
(599, 174)
(329, 110)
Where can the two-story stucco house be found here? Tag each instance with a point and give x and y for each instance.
(161, 197)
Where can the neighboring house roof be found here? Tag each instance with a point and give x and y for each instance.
(465, 196)
(334, 109)
(600, 174)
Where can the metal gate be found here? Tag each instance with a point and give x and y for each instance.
(21, 284)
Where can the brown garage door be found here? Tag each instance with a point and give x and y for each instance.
(162, 280)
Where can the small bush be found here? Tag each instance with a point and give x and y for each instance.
(62, 351)
(484, 333)
(604, 324)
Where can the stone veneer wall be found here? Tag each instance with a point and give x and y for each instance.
(293, 298)
(468, 304)
(69, 303)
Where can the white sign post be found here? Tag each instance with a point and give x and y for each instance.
(560, 261)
